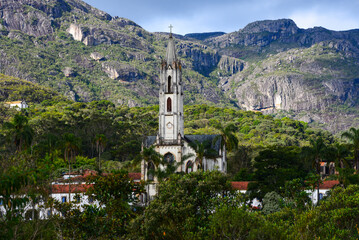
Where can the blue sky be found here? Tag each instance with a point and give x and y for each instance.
(189, 16)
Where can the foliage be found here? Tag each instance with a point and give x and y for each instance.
(183, 206)
(273, 167)
(272, 202)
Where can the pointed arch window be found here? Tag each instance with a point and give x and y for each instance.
(169, 84)
(169, 105)
(169, 158)
(150, 171)
(189, 167)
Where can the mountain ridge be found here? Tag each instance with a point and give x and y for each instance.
(87, 54)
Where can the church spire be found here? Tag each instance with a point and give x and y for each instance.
(171, 51)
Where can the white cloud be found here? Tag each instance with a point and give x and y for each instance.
(333, 20)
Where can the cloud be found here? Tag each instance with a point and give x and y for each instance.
(230, 15)
(334, 20)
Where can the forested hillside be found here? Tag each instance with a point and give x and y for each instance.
(86, 54)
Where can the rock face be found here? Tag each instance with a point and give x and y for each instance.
(124, 72)
(204, 59)
(97, 56)
(298, 81)
(270, 66)
(276, 36)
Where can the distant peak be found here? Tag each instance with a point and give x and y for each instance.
(280, 25)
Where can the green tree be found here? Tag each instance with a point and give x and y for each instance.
(316, 153)
(353, 136)
(203, 150)
(116, 192)
(100, 141)
(183, 206)
(71, 146)
(336, 217)
(273, 167)
(228, 137)
(19, 132)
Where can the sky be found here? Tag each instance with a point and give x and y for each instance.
(197, 16)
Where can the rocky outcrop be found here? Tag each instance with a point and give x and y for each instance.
(231, 65)
(276, 36)
(204, 59)
(298, 81)
(76, 32)
(97, 56)
(123, 72)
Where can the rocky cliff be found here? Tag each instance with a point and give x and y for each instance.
(87, 54)
(270, 66)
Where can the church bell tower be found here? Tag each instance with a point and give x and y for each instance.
(171, 126)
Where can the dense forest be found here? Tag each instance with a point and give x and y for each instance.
(280, 157)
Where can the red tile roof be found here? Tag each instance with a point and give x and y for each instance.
(325, 185)
(328, 184)
(240, 185)
(135, 176)
(75, 188)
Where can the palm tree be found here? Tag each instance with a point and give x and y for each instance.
(100, 141)
(316, 153)
(340, 152)
(227, 136)
(71, 145)
(353, 136)
(203, 150)
(19, 132)
(169, 168)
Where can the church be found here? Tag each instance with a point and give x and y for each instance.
(171, 142)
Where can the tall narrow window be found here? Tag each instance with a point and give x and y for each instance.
(150, 171)
(169, 84)
(189, 167)
(169, 105)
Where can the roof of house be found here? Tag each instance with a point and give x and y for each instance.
(135, 176)
(329, 184)
(150, 140)
(75, 188)
(325, 185)
(14, 102)
(240, 185)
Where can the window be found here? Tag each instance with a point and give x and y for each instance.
(320, 196)
(189, 167)
(169, 157)
(48, 213)
(77, 199)
(169, 105)
(150, 171)
(63, 199)
(169, 82)
(90, 199)
(1, 202)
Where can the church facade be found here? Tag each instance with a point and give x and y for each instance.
(170, 141)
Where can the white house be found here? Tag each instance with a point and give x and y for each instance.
(17, 104)
(64, 191)
(324, 188)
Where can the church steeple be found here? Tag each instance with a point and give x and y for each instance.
(171, 125)
(171, 51)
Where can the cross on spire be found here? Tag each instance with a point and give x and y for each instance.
(170, 27)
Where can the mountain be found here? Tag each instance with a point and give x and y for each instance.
(270, 66)
(87, 54)
(309, 74)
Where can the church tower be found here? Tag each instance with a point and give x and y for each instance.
(171, 126)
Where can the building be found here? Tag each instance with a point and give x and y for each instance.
(17, 104)
(170, 140)
(324, 189)
(64, 190)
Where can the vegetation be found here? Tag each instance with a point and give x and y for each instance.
(277, 155)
